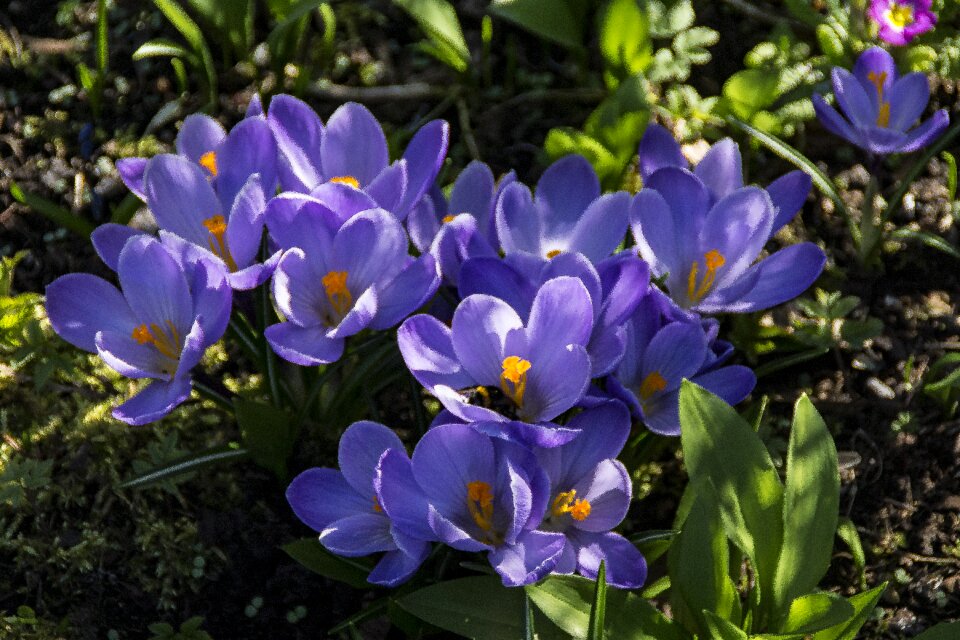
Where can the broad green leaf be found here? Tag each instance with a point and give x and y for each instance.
(599, 608)
(311, 554)
(751, 90)
(816, 611)
(697, 564)
(942, 631)
(619, 121)
(811, 501)
(186, 465)
(566, 602)
(550, 19)
(863, 605)
(267, 433)
(478, 607)
(625, 38)
(721, 629)
(722, 451)
(439, 20)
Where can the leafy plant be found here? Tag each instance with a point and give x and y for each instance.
(189, 630)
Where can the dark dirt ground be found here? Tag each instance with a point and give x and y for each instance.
(902, 489)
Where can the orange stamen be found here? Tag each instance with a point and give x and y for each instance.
(513, 380)
(217, 226)
(347, 180)
(713, 260)
(209, 162)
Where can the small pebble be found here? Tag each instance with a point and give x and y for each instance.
(880, 389)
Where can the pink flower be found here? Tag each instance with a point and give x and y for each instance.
(901, 20)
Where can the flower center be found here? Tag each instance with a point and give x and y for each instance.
(447, 218)
(900, 15)
(376, 505)
(713, 260)
(217, 226)
(553, 253)
(209, 162)
(878, 80)
(166, 341)
(568, 502)
(480, 505)
(653, 383)
(513, 380)
(335, 286)
(347, 180)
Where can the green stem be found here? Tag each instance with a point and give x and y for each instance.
(871, 225)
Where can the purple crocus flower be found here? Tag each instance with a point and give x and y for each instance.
(616, 286)
(901, 21)
(192, 219)
(565, 214)
(721, 172)
(507, 377)
(663, 348)
(706, 251)
(352, 150)
(335, 280)
(344, 507)
(226, 160)
(156, 326)
(880, 106)
(590, 495)
(473, 493)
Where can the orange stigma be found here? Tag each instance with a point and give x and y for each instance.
(347, 180)
(335, 286)
(883, 113)
(209, 162)
(567, 502)
(217, 226)
(480, 504)
(447, 218)
(513, 380)
(167, 342)
(553, 253)
(653, 383)
(713, 260)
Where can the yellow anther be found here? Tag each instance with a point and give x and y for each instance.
(376, 505)
(553, 253)
(878, 80)
(653, 383)
(883, 117)
(513, 380)
(167, 342)
(448, 218)
(713, 260)
(480, 504)
(347, 180)
(209, 162)
(567, 502)
(335, 285)
(217, 226)
(900, 15)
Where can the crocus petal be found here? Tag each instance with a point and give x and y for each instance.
(199, 134)
(298, 132)
(396, 567)
(422, 224)
(834, 122)
(295, 291)
(452, 534)
(607, 488)
(561, 314)
(344, 200)
(473, 193)
(427, 350)
(361, 314)
(530, 558)
(625, 566)
(369, 247)
(401, 497)
(446, 460)
(493, 276)
(733, 383)
(424, 156)
(555, 382)
(675, 352)
(908, 99)
(875, 60)
(296, 220)
(737, 227)
(602, 226)
(513, 492)
(180, 197)
(361, 446)
(321, 496)
(603, 432)
(625, 283)
(127, 357)
(79, 305)
(131, 172)
(108, 240)
(255, 275)
(721, 169)
(926, 132)
(545, 435)
(245, 225)
(565, 190)
(249, 149)
(656, 232)
(788, 193)
(781, 277)
(254, 107)
(852, 98)
(517, 220)
(659, 149)
(306, 346)
(579, 267)
(157, 400)
(389, 187)
(353, 145)
(686, 196)
(479, 330)
(154, 284)
(406, 292)
(358, 535)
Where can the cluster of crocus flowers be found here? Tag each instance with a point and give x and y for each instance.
(900, 21)
(880, 107)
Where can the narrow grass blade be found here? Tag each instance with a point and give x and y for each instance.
(52, 211)
(225, 453)
(599, 609)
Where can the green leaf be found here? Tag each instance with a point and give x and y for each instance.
(697, 565)
(925, 237)
(478, 607)
(721, 629)
(566, 602)
(951, 175)
(562, 141)
(162, 48)
(267, 433)
(311, 554)
(187, 464)
(625, 38)
(666, 22)
(722, 451)
(103, 52)
(553, 20)
(231, 22)
(863, 605)
(619, 121)
(692, 44)
(815, 612)
(942, 631)
(54, 212)
(791, 155)
(599, 608)
(439, 20)
(811, 502)
(751, 90)
(194, 37)
(830, 43)
(848, 533)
